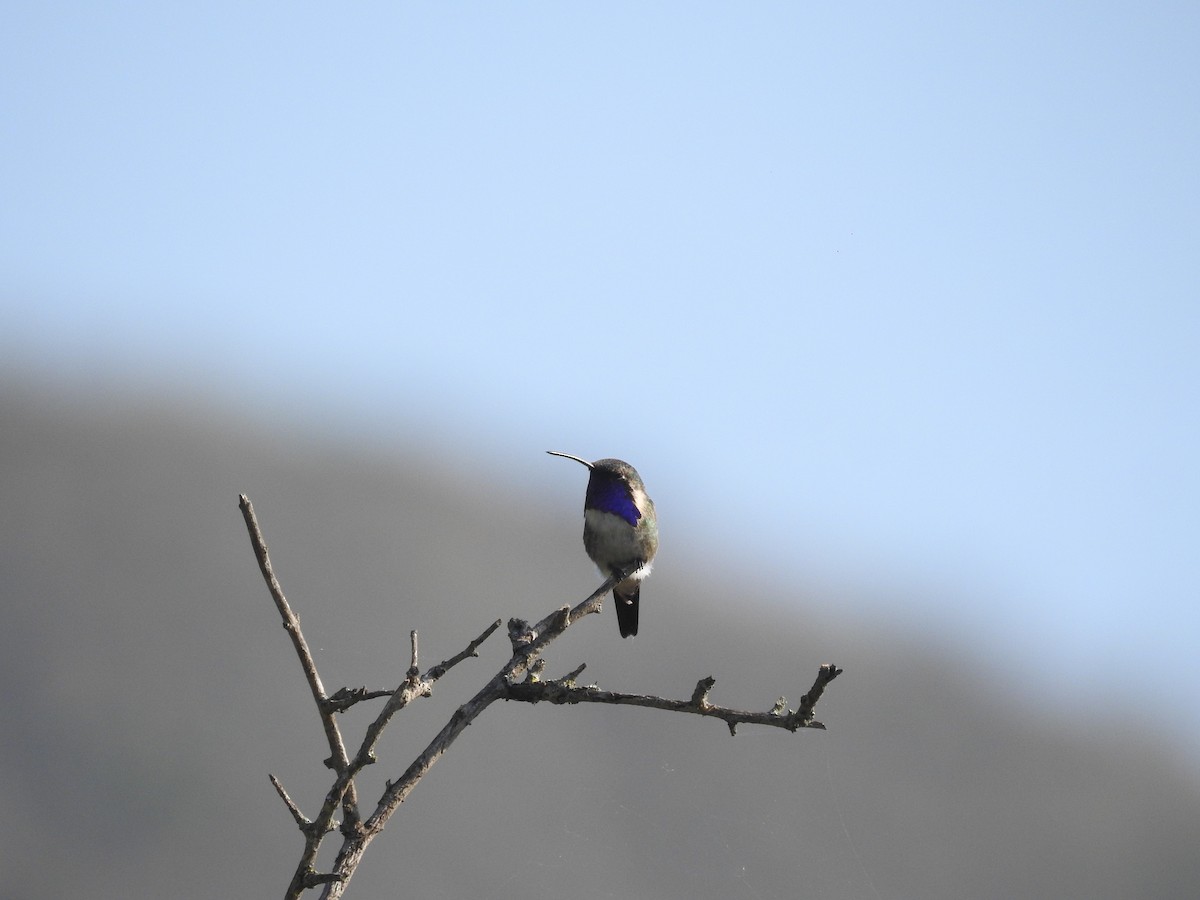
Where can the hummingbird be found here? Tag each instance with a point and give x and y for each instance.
(620, 531)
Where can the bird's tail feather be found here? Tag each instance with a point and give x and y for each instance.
(627, 610)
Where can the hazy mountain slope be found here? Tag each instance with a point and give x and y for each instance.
(149, 690)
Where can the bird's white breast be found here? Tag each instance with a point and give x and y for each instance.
(613, 543)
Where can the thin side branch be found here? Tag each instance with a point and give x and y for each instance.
(808, 701)
(303, 822)
(291, 624)
(472, 650)
(347, 797)
(563, 691)
(344, 698)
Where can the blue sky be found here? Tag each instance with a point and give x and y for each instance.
(898, 296)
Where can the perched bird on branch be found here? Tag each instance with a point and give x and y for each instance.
(620, 531)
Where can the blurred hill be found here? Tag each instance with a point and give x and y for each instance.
(149, 690)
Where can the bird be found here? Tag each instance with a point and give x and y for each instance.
(620, 531)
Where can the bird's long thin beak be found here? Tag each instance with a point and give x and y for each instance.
(569, 456)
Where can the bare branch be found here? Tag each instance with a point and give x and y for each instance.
(414, 669)
(808, 701)
(519, 679)
(472, 651)
(302, 821)
(532, 639)
(570, 677)
(563, 691)
(527, 643)
(338, 761)
(291, 624)
(414, 686)
(344, 698)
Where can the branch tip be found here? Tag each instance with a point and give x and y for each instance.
(569, 679)
(338, 760)
(472, 650)
(302, 821)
